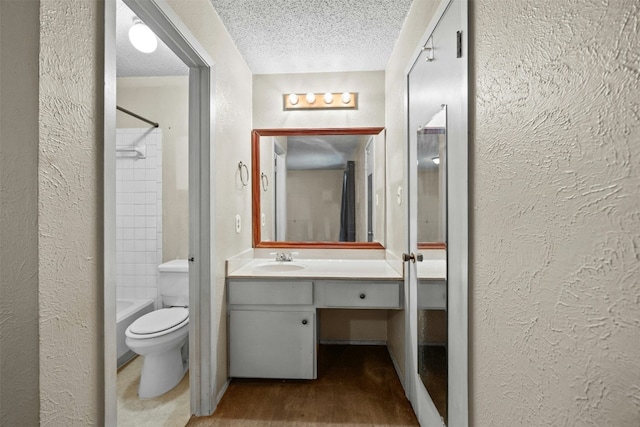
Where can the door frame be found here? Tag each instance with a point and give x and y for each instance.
(457, 251)
(159, 16)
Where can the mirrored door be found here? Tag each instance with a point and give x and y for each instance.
(438, 221)
(431, 140)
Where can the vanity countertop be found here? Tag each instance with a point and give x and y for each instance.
(317, 268)
(432, 269)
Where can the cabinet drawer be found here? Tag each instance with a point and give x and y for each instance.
(270, 292)
(357, 294)
(432, 295)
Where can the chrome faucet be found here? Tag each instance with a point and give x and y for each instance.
(281, 256)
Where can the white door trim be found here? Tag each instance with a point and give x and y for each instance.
(203, 355)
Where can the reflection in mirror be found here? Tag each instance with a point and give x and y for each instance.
(432, 302)
(432, 179)
(319, 188)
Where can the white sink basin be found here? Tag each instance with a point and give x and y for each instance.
(278, 267)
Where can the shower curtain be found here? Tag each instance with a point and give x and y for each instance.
(348, 209)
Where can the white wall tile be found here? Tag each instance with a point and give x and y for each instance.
(138, 223)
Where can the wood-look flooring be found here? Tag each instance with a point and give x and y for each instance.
(356, 386)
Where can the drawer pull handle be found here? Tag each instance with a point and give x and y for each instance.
(362, 296)
(304, 321)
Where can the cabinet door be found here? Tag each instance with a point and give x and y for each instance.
(272, 344)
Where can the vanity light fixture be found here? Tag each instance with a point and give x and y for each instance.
(141, 37)
(307, 101)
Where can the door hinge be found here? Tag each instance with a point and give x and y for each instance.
(459, 44)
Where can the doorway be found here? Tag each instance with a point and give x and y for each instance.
(168, 28)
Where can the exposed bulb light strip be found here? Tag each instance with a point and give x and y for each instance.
(320, 101)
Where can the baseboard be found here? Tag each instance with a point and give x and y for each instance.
(125, 358)
(222, 391)
(397, 368)
(353, 342)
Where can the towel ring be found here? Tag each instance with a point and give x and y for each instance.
(264, 179)
(244, 181)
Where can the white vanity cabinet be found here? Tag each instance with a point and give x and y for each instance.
(272, 329)
(272, 344)
(272, 321)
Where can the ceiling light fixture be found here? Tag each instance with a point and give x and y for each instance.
(307, 101)
(141, 37)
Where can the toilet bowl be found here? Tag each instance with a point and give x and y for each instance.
(162, 336)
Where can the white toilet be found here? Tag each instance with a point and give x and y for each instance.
(162, 336)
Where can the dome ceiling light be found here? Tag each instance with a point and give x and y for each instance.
(141, 37)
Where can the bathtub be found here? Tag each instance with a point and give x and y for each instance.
(128, 310)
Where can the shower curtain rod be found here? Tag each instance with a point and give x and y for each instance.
(124, 110)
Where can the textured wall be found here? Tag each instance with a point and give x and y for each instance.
(70, 210)
(19, 25)
(555, 291)
(231, 144)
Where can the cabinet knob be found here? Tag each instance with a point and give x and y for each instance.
(304, 321)
(362, 296)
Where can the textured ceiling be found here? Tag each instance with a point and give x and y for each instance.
(285, 36)
(303, 36)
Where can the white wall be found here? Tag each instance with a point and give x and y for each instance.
(555, 216)
(269, 88)
(19, 357)
(164, 100)
(313, 208)
(231, 144)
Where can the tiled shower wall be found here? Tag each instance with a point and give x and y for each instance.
(138, 213)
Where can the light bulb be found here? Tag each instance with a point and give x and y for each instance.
(293, 99)
(142, 38)
(328, 98)
(311, 98)
(346, 97)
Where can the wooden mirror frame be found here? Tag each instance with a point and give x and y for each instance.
(255, 187)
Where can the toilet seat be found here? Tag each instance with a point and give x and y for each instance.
(158, 323)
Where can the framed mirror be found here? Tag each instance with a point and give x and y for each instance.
(318, 188)
(432, 182)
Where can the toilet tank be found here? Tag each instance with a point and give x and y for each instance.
(173, 281)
